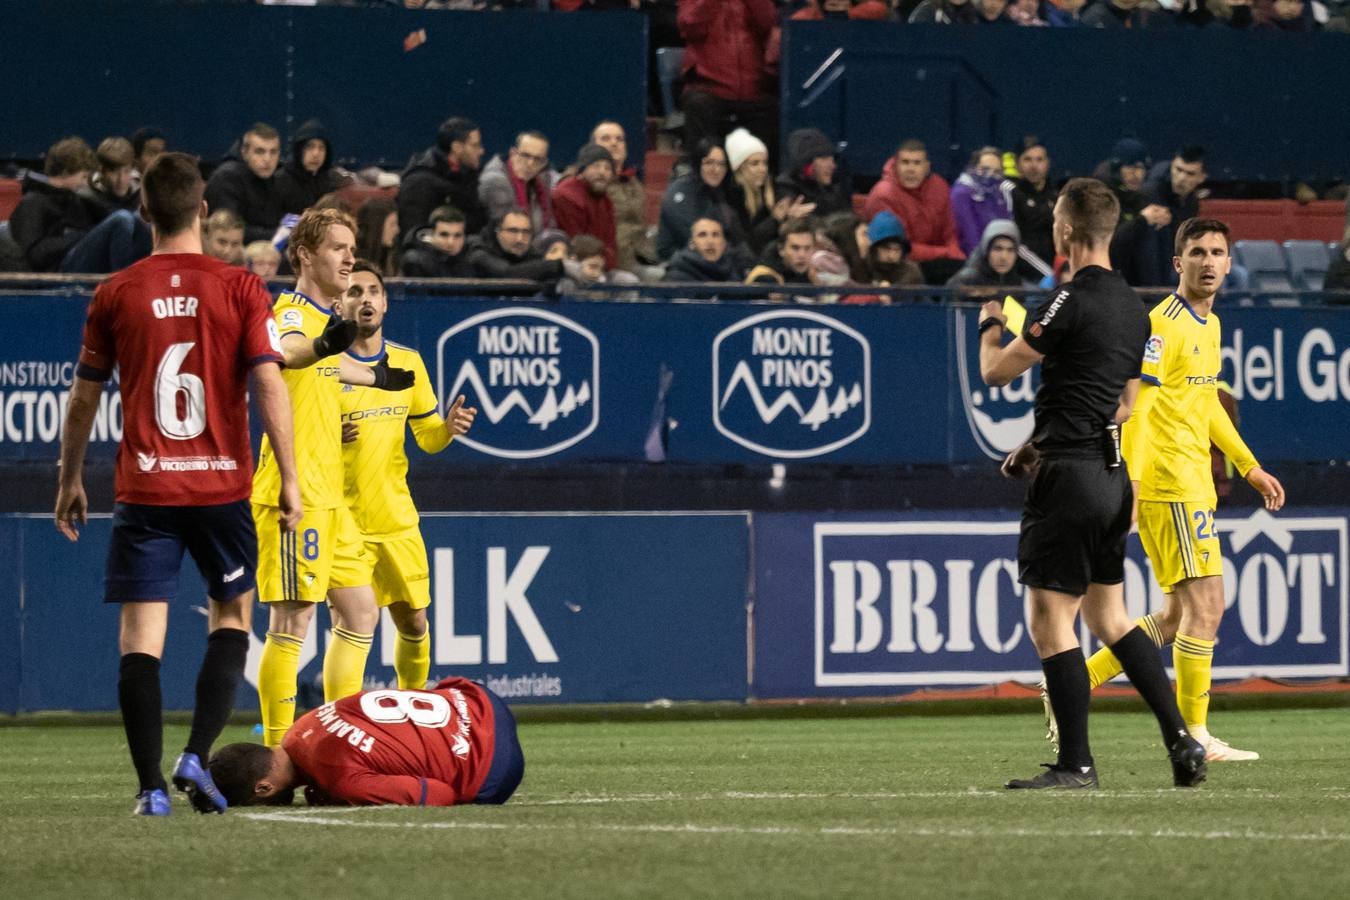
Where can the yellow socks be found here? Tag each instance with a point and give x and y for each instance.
(1193, 659)
(412, 660)
(276, 684)
(1102, 666)
(344, 664)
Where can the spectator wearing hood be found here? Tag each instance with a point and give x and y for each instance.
(504, 251)
(437, 250)
(1132, 14)
(728, 77)
(51, 218)
(445, 174)
(888, 250)
(308, 172)
(629, 198)
(1033, 206)
(581, 201)
(994, 262)
(945, 12)
(706, 258)
(697, 193)
(981, 195)
(246, 184)
(865, 10)
(1125, 172)
(1143, 248)
(813, 174)
(788, 261)
(921, 200)
(522, 180)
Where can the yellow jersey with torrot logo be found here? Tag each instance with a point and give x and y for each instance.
(314, 411)
(1167, 441)
(375, 464)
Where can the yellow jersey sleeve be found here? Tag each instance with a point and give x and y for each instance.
(424, 417)
(315, 413)
(1154, 367)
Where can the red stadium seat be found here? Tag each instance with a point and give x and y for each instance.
(356, 195)
(1279, 220)
(10, 192)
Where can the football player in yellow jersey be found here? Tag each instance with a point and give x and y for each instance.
(296, 569)
(1166, 448)
(376, 468)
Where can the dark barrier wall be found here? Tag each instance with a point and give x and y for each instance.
(630, 607)
(204, 72)
(1258, 101)
(728, 383)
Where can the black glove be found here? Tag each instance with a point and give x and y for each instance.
(387, 379)
(337, 336)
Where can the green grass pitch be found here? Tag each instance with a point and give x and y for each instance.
(899, 806)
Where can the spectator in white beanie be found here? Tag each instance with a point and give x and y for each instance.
(750, 192)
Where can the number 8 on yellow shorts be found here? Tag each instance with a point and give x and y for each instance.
(1180, 539)
(395, 566)
(301, 565)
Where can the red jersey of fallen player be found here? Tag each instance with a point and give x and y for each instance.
(409, 748)
(184, 331)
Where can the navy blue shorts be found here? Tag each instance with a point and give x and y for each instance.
(508, 761)
(146, 551)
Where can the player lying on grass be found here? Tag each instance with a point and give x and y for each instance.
(454, 744)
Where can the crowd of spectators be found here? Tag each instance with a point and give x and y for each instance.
(732, 211)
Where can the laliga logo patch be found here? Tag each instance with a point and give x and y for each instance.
(1153, 349)
(791, 384)
(534, 374)
(1000, 419)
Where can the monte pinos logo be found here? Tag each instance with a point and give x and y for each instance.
(1000, 419)
(533, 374)
(791, 384)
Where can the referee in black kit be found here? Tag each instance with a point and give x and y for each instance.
(1090, 338)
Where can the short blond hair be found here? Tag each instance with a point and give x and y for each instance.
(261, 250)
(309, 232)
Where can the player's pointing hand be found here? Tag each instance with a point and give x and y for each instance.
(459, 418)
(1268, 486)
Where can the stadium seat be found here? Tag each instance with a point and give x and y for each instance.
(669, 61)
(1307, 263)
(10, 193)
(1268, 271)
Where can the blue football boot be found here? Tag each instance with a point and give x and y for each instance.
(192, 779)
(152, 803)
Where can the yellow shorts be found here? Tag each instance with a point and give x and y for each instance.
(302, 565)
(396, 567)
(1180, 540)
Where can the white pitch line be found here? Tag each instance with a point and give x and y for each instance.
(828, 831)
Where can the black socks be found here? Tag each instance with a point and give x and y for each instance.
(1066, 681)
(1139, 658)
(222, 666)
(142, 715)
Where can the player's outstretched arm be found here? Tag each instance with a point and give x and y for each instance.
(72, 506)
(274, 405)
(301, 352)
(380, 376)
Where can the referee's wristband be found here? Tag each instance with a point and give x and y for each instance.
(989, 323)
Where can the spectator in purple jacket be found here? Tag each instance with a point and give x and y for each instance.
(980, 196)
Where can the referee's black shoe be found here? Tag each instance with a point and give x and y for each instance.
(1188, 762)
(1057, 777)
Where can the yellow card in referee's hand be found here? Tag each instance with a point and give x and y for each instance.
(1016, 314)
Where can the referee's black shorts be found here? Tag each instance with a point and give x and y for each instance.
(1074, 523)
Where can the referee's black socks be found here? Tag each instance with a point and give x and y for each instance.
(142, 716)
(1066, 681)
(1138, 656)
(223, 664)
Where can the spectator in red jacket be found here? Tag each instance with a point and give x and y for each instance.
(581, 202)
(728, 81)
(921, 200)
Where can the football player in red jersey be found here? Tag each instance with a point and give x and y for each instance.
(186, 332)
(450, 745)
